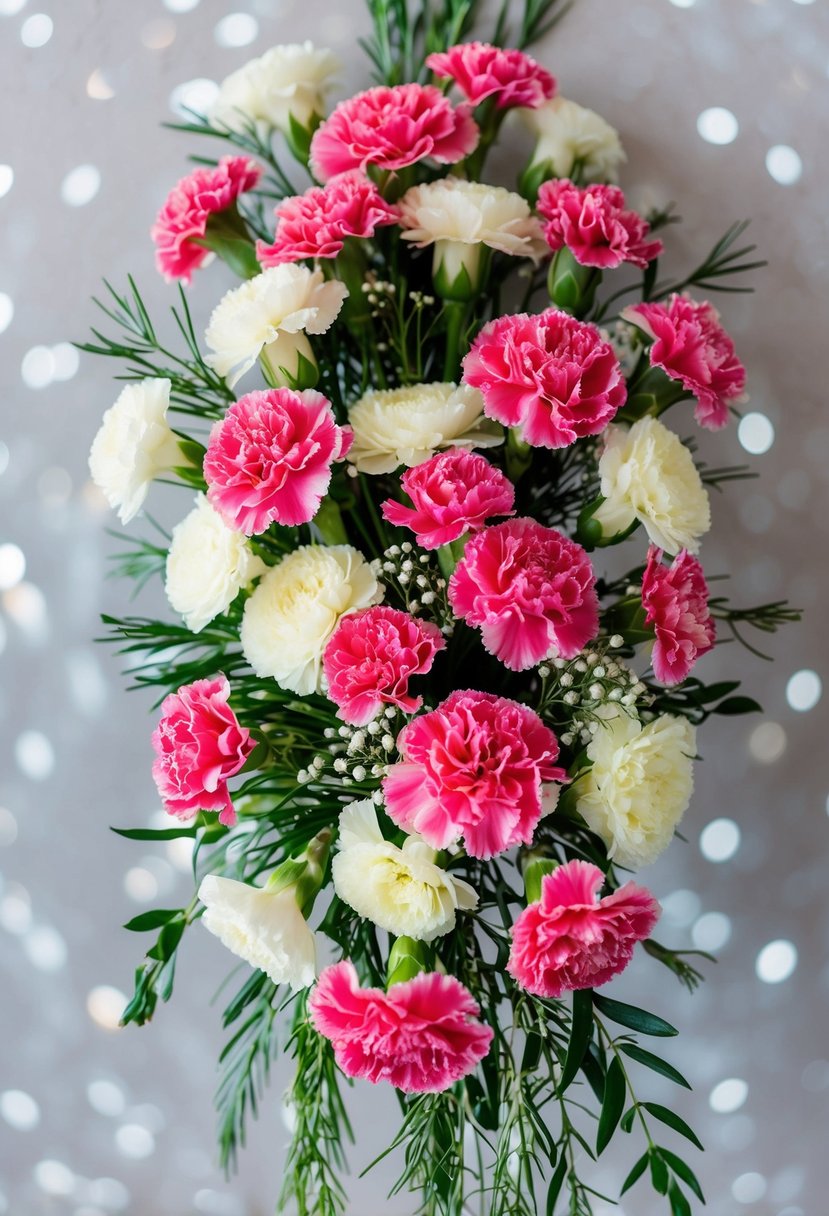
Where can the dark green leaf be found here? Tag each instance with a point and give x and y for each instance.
(635, 1174)
(168, 939)
(738, 705)
(151, 920)
(683, 1171)
(670, 1119)
(580, 1033)
(659, 1174)
(633, 1018)
(679, 1204)
(594, 1070)
(153, 833)
(556, 1183)
(651, 1061)
(627, 1119)
(612, 1105)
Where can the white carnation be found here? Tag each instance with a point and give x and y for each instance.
(648, 474)
(295, 609)
(268, 314)
(408, 425)
(570, 135)
(400, 889)
(639, 786)
(133, 446)
(265, 928)
(207, 566)
(457, 216)
(286, 82)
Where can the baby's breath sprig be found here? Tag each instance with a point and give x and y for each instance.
(357, 755)
(416, 579)
(578, 694)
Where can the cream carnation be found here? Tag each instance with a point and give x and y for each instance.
(295, 609)
(408, 425)
(458, 217)
(207, 566)
(573, 138)
(269, 315)
(265, 928)
(133, 446)
(648, 474)
(286, 82)
(399, 889)
(639, 785)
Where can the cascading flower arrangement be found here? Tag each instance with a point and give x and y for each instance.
(414, 728)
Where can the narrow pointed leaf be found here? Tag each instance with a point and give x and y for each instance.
(634, 1018)
(612, 1105)
(654, 1062)
(580, 1032)
(670, 1119)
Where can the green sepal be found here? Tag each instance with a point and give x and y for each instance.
(534, 871)
(407, 958)
(533, 177)
(306, 376)
(298, 137)
(572, 287)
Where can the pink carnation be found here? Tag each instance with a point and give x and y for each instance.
(593, 224)
(198, 745)
(421, 1036)
(370, 658)
(570, 940)
(453, 493)
(392, 128)
(473, 768)
(270, 458)
(183, 219)
(480, 71)
(548, 373)
(316, 224)
(691, 346)
(529, 589)
(675, 599)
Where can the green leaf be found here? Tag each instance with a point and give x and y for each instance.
(679, 1204)
(670, 1119)
(653, 1062)
(168, 939)
(152, 920)
(613, 1104)
(153, 833)
(634, 1018)
(659, 1174)
(635, 1174)
(683, 1171)
(738, 705)
(627, 1119)
(532, 1052)
(556, 1183)
(580, 1033)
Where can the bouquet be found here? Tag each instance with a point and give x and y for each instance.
(427, 693)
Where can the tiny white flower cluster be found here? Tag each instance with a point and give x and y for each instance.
(417, 578)
(594, 686)
(357, 753)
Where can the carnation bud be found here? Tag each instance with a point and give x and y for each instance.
(535, 868)
(407, 958)
(572, 286)
(289, 362)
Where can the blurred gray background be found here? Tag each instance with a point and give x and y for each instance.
(723, 106)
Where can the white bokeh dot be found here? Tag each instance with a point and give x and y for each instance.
(729, 1095)
(683, 3)
(19, 1110)
(776, 961)
(38, 367)
(66, 361)
(236, 29)
(181, 6)
(46, 948)
(784, 164)
(8, 828)
(767, 742)
(6, 179)
(35, 755)
(106, 1097)
(717, 125)
(6, 311)
(98, 86)
(135, 1141)
(10, 8)
(719, 840)
(756, 433)
(80, 185)
(12, 566)
(748, 1188)
(193, 97)
(105, 1005)
(36, 30)
(54, 1177)
(711, 931)
(803, 690)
